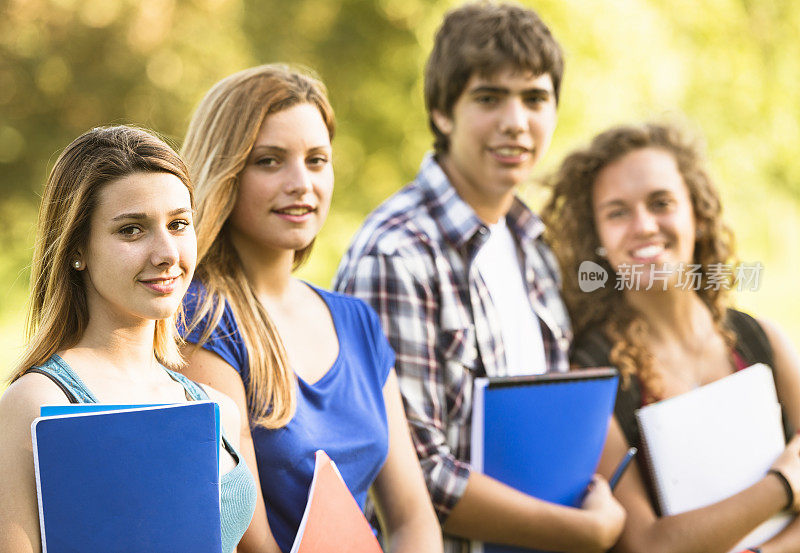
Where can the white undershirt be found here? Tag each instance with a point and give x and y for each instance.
(500, 268)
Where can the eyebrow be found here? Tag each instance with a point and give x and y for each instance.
(490, 89)
(653, 194)
(142, 216)
(270, 148)
(611, 203)
(267, 148)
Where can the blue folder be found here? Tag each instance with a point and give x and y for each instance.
(75, 408)
(144, 479)
(542, 434)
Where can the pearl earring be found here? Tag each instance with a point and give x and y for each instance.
(601, 251)
(76, 264)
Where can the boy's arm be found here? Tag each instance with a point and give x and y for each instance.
(468, 503)
(493, 512)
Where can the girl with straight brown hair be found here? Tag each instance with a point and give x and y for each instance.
(115, 252)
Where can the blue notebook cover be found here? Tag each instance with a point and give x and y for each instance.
(75, 408)
(542, 434)
(129, 481)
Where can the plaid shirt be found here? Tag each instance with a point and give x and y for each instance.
(412, 261)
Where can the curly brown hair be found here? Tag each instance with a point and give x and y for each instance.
(572, 233)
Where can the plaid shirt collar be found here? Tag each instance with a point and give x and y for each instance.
(456, 219)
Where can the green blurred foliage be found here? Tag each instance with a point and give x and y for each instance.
(726, 69)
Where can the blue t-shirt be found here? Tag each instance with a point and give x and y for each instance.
(342, 413)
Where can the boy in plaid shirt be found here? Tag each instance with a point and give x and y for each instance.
(455, 265)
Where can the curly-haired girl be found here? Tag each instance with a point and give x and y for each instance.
(639, 203)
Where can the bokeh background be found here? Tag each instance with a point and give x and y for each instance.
(728, 70)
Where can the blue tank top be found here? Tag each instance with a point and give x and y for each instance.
(342, 413)
(237, 487)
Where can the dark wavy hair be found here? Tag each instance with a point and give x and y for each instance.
(485, 37)
(572, 232)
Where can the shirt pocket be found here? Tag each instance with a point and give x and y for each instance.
(458, 345)
(458, 353)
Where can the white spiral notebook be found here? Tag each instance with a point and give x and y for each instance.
(713, 442)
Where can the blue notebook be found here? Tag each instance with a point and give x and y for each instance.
(542, 434)
(75, 408)
(143, 479)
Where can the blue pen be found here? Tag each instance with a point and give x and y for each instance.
(620, 470)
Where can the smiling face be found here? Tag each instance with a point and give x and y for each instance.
(285, 189)
(500, 127)
(141, 251)
(643, 212)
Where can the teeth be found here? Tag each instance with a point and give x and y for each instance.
(649, 251)
(510, 151)
(295, 211)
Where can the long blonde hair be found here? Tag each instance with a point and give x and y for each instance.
(58, 311)
(572, 233)
(222, 132)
